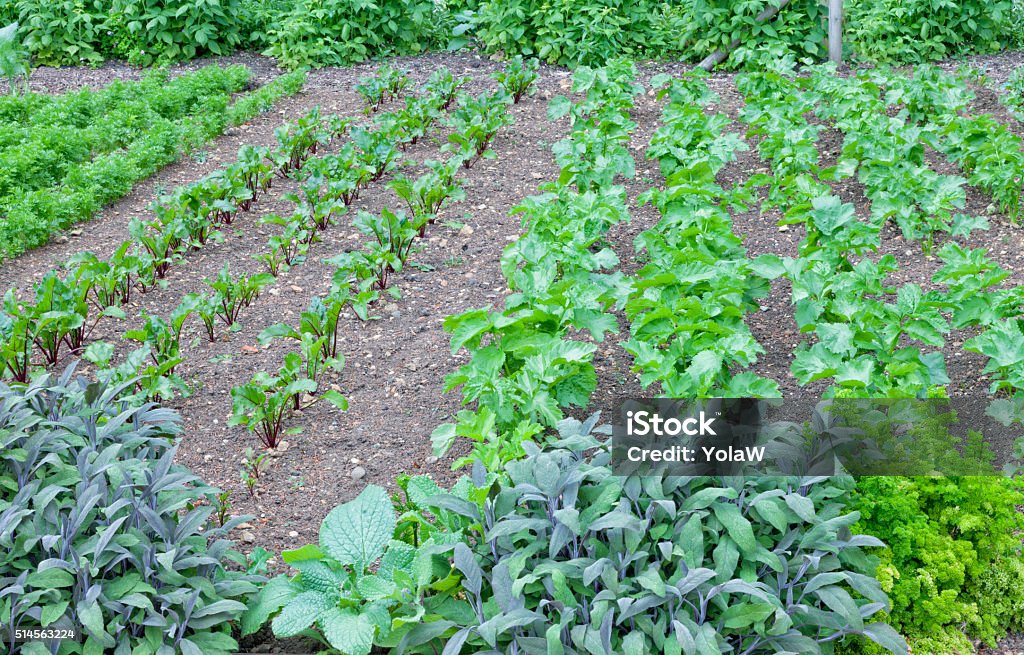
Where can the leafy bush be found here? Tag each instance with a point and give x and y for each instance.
(1016, 23)
(952, 565)
(100, 529)
(141, 31)
(518, 77)
(923, 30)
(591, 31)
(342, 32)
(376, 578)
(567, 557)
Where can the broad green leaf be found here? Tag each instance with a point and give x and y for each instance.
(349, 632)
(357, 532)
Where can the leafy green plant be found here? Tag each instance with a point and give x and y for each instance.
(288, 248)
(317, 334)
(952, 562)
(395, 233)
(362, 587)
(343, 32)
(297, 142)
(518, 77)
(427, 194)
(232, 295)
(111, 281)
(376, 152)
(263, 404)
(206, 307)
(442, 87)
(566, 556)
(1015, 93)
(492, 447)
(253, 466)
(589, 32)
(521, 367)
(163, 338)
(373, 92)
(142, 31)
(263, 99)
(103, 532)
(80, 151)
(476, 122)
(15, 340)
(315, 200)
(924, 31)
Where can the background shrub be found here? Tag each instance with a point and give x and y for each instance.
(341, 32)
(953, 564)
(925, 30)
(569, 32)
(98, 528)
(141, 31)
(592, 31)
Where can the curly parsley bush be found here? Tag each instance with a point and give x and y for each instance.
(953, 564)
(99, 529)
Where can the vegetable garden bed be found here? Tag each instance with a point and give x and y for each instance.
(397, 356)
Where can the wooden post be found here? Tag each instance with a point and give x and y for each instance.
(835, 31)
(718, 56)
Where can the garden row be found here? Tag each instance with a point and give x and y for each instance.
(62, 158)
(541, 548)
(868, 344)
(190, 219)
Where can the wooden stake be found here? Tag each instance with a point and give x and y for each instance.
(718, 56)
(835, 31)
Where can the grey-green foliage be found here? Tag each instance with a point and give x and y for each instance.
(573, 559)
(100, 529)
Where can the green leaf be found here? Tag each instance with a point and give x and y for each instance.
(349, 632)
(737, 525)
(886, 637)
(375, 587)
(357, 532)
(271, 598)
(634, 644)
(300, 613)
(745, 614)
(51, 578)
(336, 399)
(91, 617)
(51, 613)
(309, 551)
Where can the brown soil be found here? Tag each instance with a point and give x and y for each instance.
(396, 364)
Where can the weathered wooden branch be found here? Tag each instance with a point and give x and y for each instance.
(718, 56)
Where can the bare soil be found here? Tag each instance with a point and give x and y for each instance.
(396, 364)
